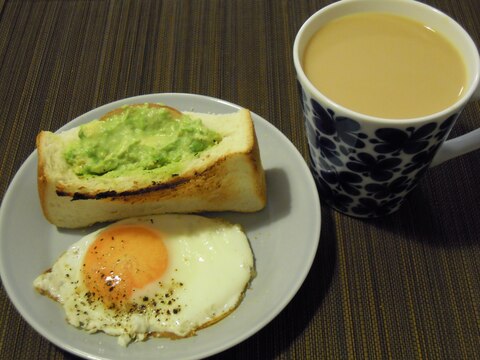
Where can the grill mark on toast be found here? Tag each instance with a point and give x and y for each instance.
(114, 194)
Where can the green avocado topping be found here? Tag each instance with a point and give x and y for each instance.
(137, 139)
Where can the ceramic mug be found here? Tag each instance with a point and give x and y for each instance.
(365, 165)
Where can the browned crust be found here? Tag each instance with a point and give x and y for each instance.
(258, 168)
(41, 177)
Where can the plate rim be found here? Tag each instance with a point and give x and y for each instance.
(247, 334)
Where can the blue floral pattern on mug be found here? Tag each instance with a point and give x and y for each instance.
(362, 173)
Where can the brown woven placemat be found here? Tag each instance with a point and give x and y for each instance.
(406, 286)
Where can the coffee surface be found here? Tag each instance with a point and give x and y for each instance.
(385, 65)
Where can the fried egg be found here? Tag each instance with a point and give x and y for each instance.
(161, 276)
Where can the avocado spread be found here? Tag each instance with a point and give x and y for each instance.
(138, 138)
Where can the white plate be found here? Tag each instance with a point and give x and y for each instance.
(284, 238)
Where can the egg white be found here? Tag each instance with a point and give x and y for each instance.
(210, 267)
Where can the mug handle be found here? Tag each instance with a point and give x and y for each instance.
(460, 145)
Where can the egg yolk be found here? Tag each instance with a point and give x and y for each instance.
(121, 259)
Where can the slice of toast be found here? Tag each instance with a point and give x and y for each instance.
(225, 177)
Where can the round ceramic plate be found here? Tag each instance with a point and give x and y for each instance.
(284, 238)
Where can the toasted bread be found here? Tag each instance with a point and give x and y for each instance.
(226, 177)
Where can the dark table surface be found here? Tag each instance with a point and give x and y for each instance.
(405, 286)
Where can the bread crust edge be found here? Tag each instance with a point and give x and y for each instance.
(213, 189)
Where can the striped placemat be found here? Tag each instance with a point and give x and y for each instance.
(402, 287)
